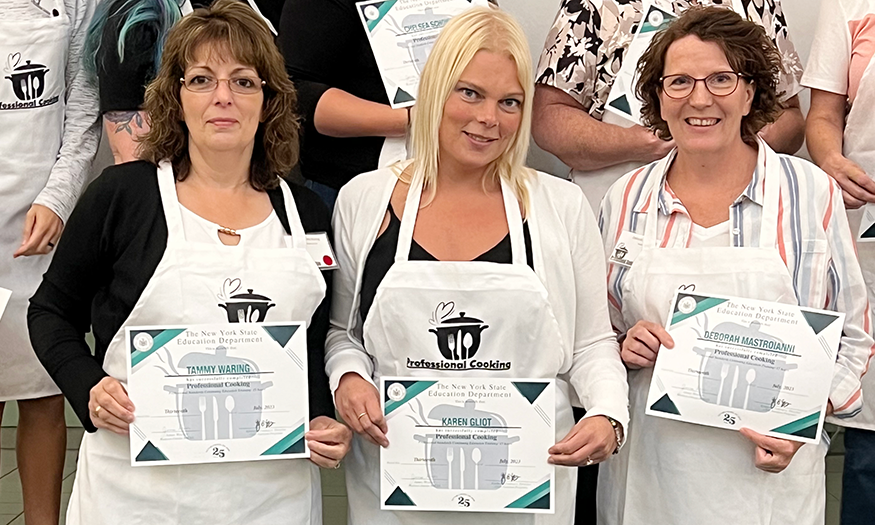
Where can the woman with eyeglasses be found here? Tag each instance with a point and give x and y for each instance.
(161, 242)
(722, 214)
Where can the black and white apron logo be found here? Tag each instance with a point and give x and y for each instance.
(28, 84)
(245, 307)
(458, 340)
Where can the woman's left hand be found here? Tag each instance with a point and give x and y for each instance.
(328, 440)
(591, 441)
(772, 454)
(42, 228)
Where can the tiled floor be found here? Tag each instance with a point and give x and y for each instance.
(333, 489)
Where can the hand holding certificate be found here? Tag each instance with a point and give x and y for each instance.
(218, 393)
(468, 444)
(744, 363)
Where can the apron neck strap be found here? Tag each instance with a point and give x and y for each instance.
(299, 238)
(411, 209)
(170, 202)
(769, 169)
(769, 166)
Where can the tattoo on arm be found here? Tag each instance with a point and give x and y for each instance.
(123, 120)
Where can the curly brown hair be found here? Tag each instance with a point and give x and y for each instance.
(748, 50)
(233, 31)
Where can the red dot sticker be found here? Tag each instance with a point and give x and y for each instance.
(327, 260)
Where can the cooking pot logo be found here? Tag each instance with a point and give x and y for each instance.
(28, 80)
(458, 338)
(245, 307)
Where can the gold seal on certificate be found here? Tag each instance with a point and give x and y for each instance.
(468, 445)
(218, 393)
(745, 363)
(402, 33)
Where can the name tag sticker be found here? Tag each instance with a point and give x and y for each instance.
(627, 249)
(320, 249)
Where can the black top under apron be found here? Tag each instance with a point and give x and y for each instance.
(382, 257)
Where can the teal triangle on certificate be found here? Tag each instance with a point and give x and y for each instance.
(158, 338)
(281, 334)
(382, 9)
(818, 321)
(293, 443)
(402, 96)
(622, 103)
(702, 303)
(869, 233)
(411, 390)
(665, 404)
(805, 427)
(399, 498)
(534, 498)
(530, 389)
(151, 453)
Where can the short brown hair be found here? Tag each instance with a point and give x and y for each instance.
(749, 51)
(232, 29)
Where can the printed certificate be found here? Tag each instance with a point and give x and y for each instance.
(468, 444)
(867, 224)
(744, 363)
(402, 33)
(218, 393)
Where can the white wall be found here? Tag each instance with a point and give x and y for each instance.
(536, 17)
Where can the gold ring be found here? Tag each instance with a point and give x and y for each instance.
(589, 462)
(363, 414)
(97, 411)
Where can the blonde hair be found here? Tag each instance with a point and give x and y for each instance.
(478, 29)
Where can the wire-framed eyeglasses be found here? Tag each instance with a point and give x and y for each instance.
(719, 84)
(242, 85)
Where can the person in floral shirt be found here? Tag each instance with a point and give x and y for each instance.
(583, 53)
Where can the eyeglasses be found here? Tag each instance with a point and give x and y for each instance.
(719, 84)
(208, 84)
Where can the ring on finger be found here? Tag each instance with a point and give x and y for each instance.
(363, 414)
(337, 466)
(97, 410)
(589, 461)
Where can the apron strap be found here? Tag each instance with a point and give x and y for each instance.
(411, 209)
(769, 166)
(170, 202)
(299, 238)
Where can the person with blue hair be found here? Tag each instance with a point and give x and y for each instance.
(122, 54)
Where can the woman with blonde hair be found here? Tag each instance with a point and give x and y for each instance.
(466, 225)
(154, 242)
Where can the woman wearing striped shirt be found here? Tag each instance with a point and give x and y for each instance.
(723, 214)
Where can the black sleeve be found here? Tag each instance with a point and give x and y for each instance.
(122, 81)
(313, 37)
(315, 218)
(60, 312)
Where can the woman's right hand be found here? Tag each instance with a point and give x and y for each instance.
(358, 403)
(110, 407)
(641, 344)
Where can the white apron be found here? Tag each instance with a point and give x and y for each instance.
(859, 146)
(32, 102)
(522, 340)
(183, 290)
(673, 473)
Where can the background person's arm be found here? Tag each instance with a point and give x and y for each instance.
(340, 114)
(787, 133)
(824, 131)
(122, 129)
(562, 127)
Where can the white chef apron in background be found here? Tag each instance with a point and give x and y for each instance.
(678, 473)
(858, 145)
(30, 139)
(522, 331)
(183, 291)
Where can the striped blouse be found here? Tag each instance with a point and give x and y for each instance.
(814, 241)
